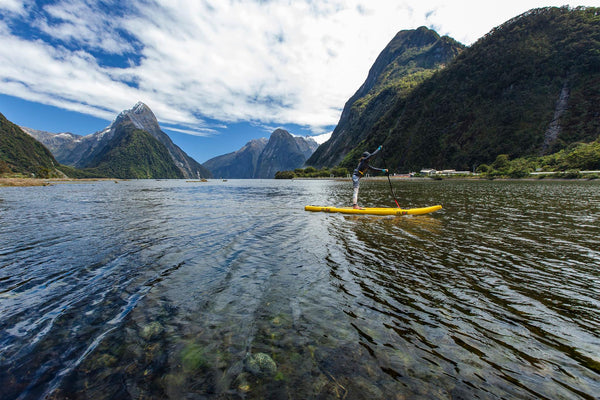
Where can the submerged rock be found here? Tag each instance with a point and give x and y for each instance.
(151, 330)
(193, 358)
(241, 382)
(261, 365)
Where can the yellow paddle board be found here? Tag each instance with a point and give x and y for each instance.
(375, 211)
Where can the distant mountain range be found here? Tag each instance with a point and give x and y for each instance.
(133, 146)
(262, 158)
(529, 87)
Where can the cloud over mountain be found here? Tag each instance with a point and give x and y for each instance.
(203, 64)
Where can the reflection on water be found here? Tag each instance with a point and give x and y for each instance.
(173, 289)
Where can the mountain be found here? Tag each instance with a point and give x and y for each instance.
(529, 87)
(238, 164)
(142, 118)
(283, 152)
(83, 151)
(22, 154)
(410, 58)
(60, 145)
(134, 153)
(261, 159)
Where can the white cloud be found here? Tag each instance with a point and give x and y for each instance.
(467, 20)
(192, 132)
(269, 62)
(13, 6)
(75, 21)
(321, 138)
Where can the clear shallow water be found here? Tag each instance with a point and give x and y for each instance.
(167, 289)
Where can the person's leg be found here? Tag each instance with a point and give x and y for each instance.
(355, 183)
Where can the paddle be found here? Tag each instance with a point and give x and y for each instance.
(389, 181)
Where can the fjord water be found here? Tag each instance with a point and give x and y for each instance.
(168, 289)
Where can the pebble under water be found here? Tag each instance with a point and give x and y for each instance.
(230, 290)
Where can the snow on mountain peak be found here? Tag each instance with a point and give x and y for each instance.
(139, 108)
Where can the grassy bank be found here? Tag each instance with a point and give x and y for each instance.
(23, 182)
(13, 182)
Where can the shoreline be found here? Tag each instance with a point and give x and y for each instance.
(27, 182)
(448, 178)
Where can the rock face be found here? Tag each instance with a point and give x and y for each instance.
(240, 164)
(529, 87)
(554, 128)
(261, 159)
(60, 144)
(142, 118)
(283, 152)
(134, 153)
(69, 149)
(80, 151)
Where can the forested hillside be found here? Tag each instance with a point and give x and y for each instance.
(134, 154)
(410, 58)
(22, 154)
(86, 156)
(529, 87)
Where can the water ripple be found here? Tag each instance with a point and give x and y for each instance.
(163, 289)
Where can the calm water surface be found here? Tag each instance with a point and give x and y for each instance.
(230, 290)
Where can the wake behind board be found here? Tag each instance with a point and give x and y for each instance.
(375, 211)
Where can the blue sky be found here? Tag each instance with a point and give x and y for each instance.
(216, 73)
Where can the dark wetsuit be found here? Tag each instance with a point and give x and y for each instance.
(361, 170)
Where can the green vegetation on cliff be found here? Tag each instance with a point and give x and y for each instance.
(411, 58)
(131, 154)
(575, 158)
(20, 154)
(530, 87)
(134, 154)
(578, 156)
(312, 172)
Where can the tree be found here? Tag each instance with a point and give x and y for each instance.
(502, 163)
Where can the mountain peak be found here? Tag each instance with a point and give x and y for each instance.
(506, 94)
(280, 133)
(140, 108)
(142, 118)
(419, 37)
(407, 60)
(262, 158)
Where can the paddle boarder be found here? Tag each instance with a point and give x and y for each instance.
(361, 170)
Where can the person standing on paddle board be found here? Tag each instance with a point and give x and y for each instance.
(361, 170)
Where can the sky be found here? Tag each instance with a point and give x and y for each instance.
(216, 73)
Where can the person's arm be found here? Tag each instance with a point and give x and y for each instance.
(374, 153)
(374, 168)
(384, 170)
